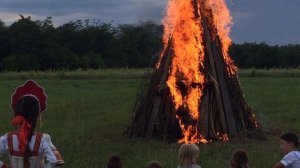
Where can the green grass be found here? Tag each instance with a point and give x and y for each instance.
(270, 73)
(78, 74)
(86, 119)
(121, 73)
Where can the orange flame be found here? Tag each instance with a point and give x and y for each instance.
(223, 23)
(185, 30)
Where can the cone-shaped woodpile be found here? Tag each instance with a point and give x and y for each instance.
(194, 94)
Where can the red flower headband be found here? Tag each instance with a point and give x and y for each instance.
(30, 88)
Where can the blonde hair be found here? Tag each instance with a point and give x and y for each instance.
(188, 154)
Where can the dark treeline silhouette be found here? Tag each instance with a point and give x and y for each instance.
(263, 56)
(38, 45)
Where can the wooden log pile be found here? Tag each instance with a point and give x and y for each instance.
(223, 109)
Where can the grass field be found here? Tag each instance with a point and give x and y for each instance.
(131, 73)
(86, 119)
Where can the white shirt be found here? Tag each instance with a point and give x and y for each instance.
(44, 151)
(291, 160)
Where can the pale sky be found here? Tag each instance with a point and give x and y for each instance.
(270, 21)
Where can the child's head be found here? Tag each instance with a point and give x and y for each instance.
(154, 164)
(289, 142)
(239, 159)
(188, 154)
(115, 162)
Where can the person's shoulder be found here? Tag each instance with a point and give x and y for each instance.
(45, 137)
(292, 154)
(297, 154)
(192, 166)
(195, 166)
(3, 137)
(290, 158)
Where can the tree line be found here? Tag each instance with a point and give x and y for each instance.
(92, 44)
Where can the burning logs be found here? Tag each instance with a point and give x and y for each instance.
(194, 94)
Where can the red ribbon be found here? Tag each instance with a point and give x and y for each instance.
(24, 131)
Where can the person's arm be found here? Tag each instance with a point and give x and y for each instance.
(278, 165)
(3, 150)
(58, 156)
(50, 157)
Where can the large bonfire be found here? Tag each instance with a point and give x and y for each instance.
(194, 94)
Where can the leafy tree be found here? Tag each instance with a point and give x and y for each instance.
(140, 42)
(5, 43)
(92, 61)
(59, 58)
(93, 44)
(20, 62)
(26, 36)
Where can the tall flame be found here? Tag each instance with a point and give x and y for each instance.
(185, 78)
(223, 23)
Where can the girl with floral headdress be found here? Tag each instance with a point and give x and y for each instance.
(25, 147)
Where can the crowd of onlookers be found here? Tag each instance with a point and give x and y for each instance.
(188, 156)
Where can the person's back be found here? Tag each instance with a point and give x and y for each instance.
(38, 147)
(25, 147)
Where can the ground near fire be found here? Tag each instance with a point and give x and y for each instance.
(101, 106)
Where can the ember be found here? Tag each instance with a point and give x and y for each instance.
(201, 99)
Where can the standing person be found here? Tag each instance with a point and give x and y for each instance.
(115, 162)
(239, 159)
(25, 147)
(188, 156)
(289, 144)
